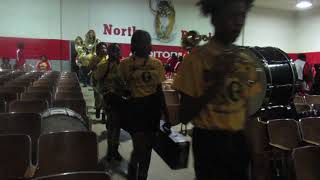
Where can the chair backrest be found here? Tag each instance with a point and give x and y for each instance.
(258, 138)
(284, 134)
(16, 89)
(28, 106)
(173, 110)
(77, 105)
(15, 156)
(2, 106)
(44, 83)
(67, 81)
(67, 152)
(310, 130)
(299, 100)
(37, 96)
(6, 97)
(69, 95)
(312, 99)
(306, 162)
(171, 97)
(18, 84)
(302, 107)
(22, 123)
(89, 175)
(40, 89)
(68, 89)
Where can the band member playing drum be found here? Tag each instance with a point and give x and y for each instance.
(215, 82)
(108, 77)
(143, 76)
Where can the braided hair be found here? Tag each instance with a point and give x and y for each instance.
(141, 44)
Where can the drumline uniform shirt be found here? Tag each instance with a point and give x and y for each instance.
(230, 78)
(108, 75)
(142, 76)
(97, 70)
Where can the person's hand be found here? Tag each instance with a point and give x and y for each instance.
(166, 127)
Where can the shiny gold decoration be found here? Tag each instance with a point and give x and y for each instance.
(165, 17)
(191, 40)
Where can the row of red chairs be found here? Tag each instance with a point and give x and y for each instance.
(276, 140)
(59, 90)
(58, 153)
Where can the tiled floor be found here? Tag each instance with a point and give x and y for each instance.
(158, 169)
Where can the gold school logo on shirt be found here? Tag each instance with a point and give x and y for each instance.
(227, 79)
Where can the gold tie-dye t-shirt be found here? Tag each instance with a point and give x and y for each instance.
(227, 77)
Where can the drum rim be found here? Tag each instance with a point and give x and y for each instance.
(47, 114)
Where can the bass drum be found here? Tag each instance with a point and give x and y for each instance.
(61, 120)
(278, 76)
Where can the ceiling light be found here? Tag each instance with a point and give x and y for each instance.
(304, 4)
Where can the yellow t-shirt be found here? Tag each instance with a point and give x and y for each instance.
(227, 77)
(142, 76)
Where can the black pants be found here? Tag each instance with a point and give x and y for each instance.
(141, 155)
(85, 78)
(220, 155)
(113, 127)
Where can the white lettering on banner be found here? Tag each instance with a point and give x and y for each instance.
(164, 54)
(202, 37)
(110, 30)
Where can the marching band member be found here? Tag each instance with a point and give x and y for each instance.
(214, 84)
(107, 73)
(143, 75)
(101, 57)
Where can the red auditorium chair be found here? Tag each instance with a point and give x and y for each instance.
(37, 96)
(89, 175)
(284, 136)
(4, 79)
(306, 162)
(302, 107)
(310, 130)
(258, 141)
(44, 82)
(2, 106)
(299, 100)
(69, 95)
(18, 83)
(22, 123)
(7, 97)
(67, 152)
(18, 89)
(171, 97)
(40, 89)
(15, 156)
(68, 89)
(28, 106)
(68, 84)
(312, 99)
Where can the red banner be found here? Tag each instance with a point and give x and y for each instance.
(34, 48)
(312, 57)
(161, 52)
